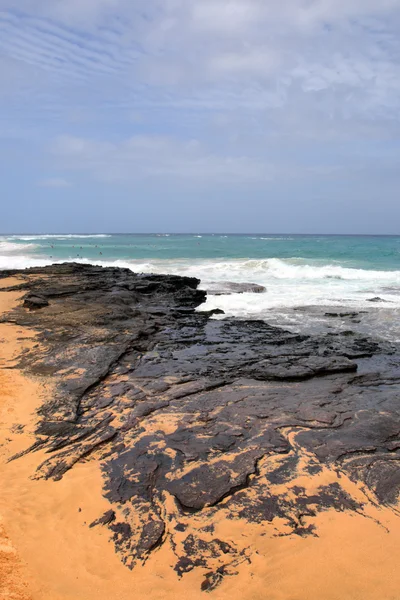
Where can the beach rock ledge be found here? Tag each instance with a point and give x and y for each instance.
(197, 422)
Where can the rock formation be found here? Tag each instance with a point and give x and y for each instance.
(198, 422)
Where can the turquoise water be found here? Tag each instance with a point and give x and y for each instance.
(365, 252)
(312, 272)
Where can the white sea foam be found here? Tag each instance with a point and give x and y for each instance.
(11, 247)
(55, 236)
(22, 262)
(289, 283)
(274, 239)
(261, 271)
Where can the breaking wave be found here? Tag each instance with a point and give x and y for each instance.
(56, 236)
(258, 271)
(11, 248)
(289, 283)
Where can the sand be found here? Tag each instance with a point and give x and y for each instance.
(48, 551)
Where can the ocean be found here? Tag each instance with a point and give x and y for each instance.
(305, 276)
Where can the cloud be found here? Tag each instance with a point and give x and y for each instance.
(210, 91)
(173, 52)
(155, 157)
(225, 17)
(54, 182)
(98, 56)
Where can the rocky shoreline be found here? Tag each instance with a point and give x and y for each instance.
(197, 422)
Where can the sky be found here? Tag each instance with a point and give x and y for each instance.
(200, 115)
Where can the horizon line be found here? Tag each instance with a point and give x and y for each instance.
(98, 233)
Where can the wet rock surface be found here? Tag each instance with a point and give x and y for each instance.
(199, 422)
(226, 288)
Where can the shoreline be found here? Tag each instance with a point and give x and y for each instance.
(124, 372)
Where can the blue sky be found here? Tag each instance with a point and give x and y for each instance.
(200, 115)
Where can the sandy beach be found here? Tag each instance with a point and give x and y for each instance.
(49, 551)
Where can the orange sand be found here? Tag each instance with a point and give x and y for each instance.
(48, 552)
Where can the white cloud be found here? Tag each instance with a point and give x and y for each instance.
(189, 53)
(261, 84)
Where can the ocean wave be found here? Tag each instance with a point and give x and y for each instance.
(56, 236)
(258, 270)
(23, 262)
(239, 270)
(288, 282)
(274, 239)
(286, 269)
(11, 247)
